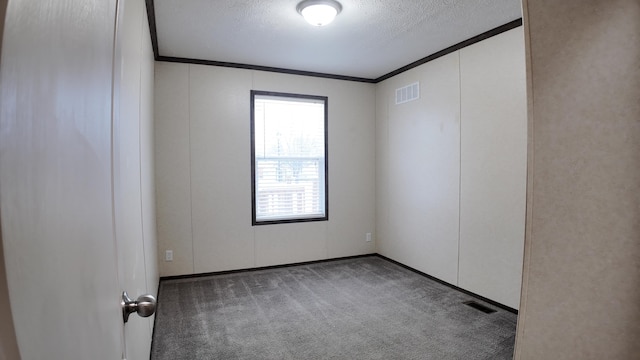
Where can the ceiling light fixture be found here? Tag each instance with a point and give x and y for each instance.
(319, 12)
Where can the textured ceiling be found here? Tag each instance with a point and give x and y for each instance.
(368, 39)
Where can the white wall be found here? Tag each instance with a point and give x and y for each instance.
(203, 171)
(418, 169)
(173, 167)
(493, 167)
(450, 168)
(442, 178)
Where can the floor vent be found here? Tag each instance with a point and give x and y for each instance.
(407, 93)
(477, 306)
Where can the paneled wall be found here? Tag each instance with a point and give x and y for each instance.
(203, 171)
(418, 169)
(493, 167)
(439, 181)
(581, 293)
(451, 168)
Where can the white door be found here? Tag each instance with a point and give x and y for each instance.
(67, 189)
(133, 84)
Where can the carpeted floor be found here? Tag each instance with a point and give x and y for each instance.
(363, 308)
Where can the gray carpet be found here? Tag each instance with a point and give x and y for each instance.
(363, 308)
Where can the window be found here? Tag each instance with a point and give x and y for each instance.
(288, 157)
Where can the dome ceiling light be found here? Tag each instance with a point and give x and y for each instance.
(319, 12)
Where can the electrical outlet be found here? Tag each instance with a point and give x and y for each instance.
(368, 237)
(168, 255)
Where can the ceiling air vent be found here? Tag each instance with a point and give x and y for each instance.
(408, 93)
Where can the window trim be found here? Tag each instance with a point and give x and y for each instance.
(325, 99)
